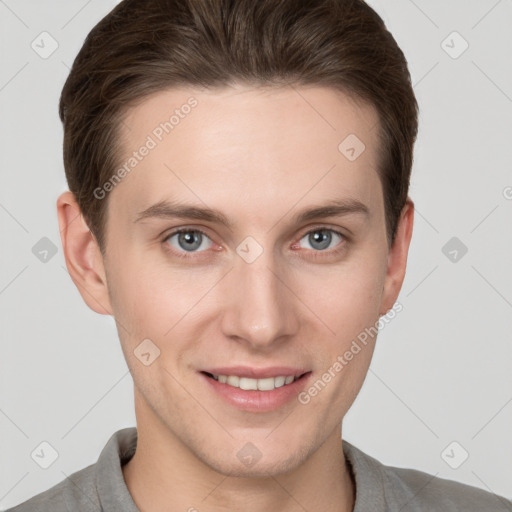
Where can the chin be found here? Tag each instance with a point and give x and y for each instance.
(249, 463)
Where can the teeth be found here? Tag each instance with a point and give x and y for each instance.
(279, 381)
(233, 381)
(267, 384)
(246, 383)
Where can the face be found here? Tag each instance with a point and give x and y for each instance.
(252, 286)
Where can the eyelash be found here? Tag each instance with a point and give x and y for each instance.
(316, 254)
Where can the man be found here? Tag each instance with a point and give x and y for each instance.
(238, 201)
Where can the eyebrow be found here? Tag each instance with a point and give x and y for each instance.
(174, 209)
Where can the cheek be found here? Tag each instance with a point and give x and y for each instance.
(152, 301)
(346, 300)
(151, 307)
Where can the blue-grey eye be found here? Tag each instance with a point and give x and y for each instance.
(189, 240)
(320, 239)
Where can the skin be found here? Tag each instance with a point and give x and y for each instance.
(258, 156)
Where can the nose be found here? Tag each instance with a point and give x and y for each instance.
(261, 309)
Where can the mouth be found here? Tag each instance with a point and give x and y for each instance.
(251, 384)
(251, 394)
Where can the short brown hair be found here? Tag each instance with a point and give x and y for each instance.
(145, 46)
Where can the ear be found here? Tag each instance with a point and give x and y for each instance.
(83, 256)
(397, 258)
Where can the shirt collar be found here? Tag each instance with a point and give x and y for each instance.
(112, 490)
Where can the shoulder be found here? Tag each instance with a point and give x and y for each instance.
(411, 490)
(96, 487)
(75, 492)
(422, 491)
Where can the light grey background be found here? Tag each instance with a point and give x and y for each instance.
(442, 368)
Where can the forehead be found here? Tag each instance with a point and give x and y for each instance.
(265, 147)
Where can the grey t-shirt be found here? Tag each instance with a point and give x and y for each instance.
(101, 486)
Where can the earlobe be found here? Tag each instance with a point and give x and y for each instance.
(397, 257)
(83, 257)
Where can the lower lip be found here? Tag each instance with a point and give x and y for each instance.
(255, 400)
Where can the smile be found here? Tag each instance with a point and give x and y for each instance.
(256, 390)
(246, 383)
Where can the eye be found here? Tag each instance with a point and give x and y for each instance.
(320, 239)
(187, 240)
(184, 242)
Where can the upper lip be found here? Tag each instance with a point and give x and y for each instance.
(257, 373)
